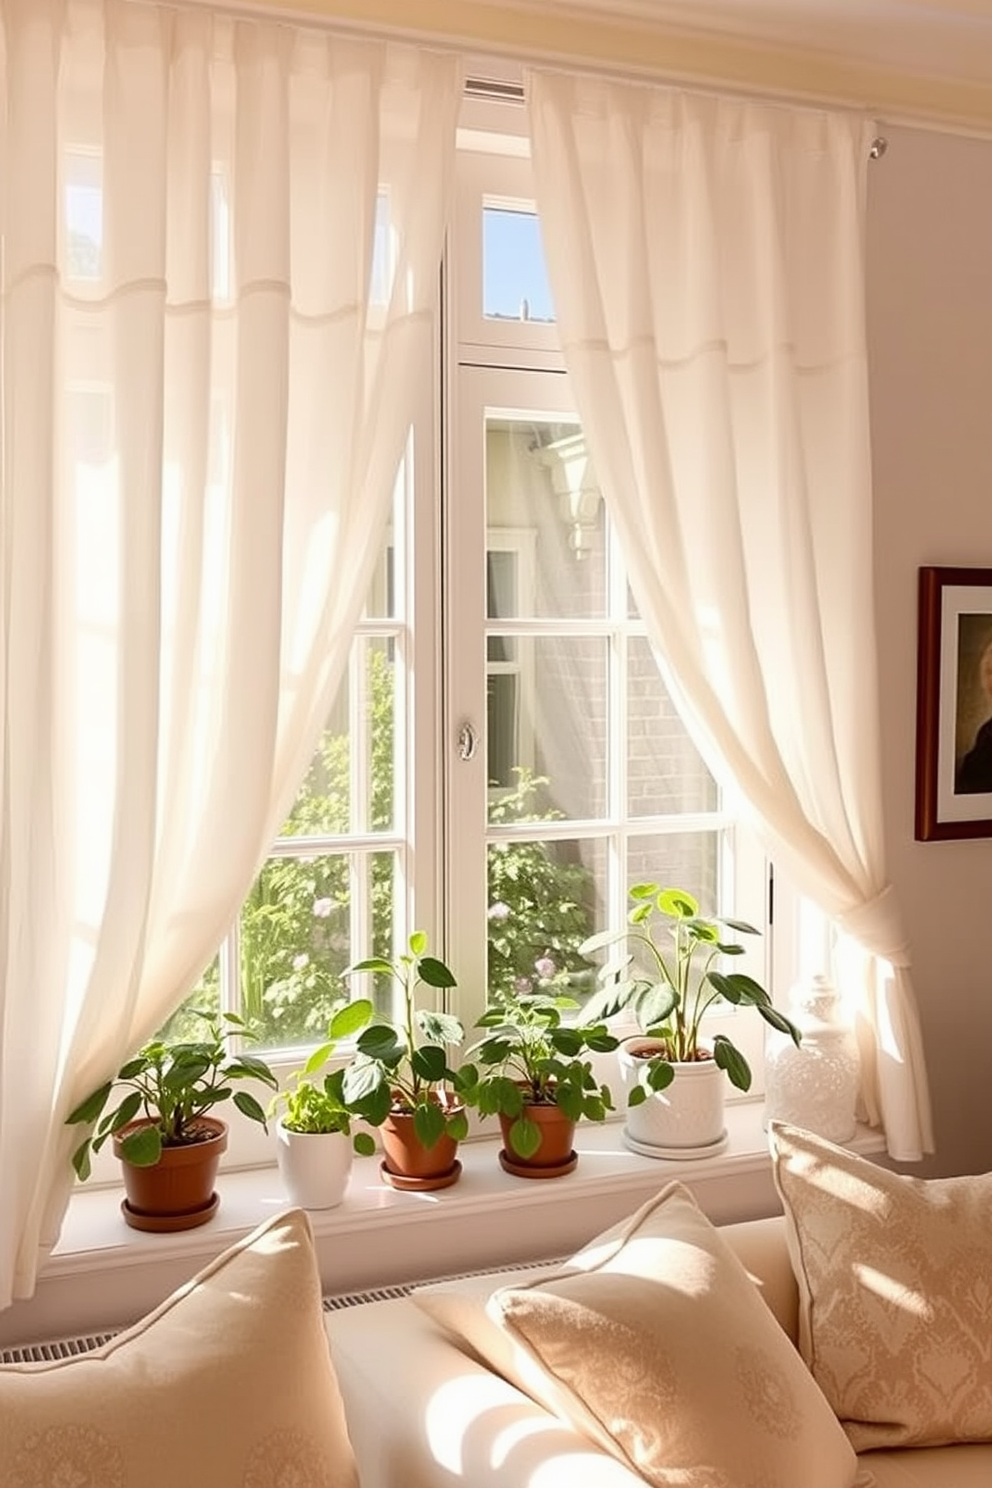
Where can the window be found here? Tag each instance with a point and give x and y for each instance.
(503, 758)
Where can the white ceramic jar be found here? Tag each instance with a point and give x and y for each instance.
(814, 1086)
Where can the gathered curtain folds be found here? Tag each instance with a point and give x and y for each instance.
(705, 254)
(221, 241)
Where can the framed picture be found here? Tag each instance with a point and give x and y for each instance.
(954, 704)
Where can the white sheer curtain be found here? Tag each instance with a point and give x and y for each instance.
(221, 247)
(706, 258)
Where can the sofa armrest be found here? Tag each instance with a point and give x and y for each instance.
(760, 1244)
(423, 1413)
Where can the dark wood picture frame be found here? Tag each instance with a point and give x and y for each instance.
(954, 704)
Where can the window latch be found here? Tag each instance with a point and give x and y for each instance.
(468, 741)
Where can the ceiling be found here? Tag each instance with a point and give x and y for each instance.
(907, 61)
(950, 39)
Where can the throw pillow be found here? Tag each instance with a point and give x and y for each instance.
(228, 1382)
(655, 1342)
(895, 1292)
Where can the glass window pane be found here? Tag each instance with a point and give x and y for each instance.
(304, 921)
(665, 772)
(514, 277)
(543, 899)
(350, 784)
(544, 508)
(83, 215)
(547, 729)
(678, 860)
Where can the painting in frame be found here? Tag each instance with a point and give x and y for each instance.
(954, 704)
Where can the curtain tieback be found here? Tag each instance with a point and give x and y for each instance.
(877, 925)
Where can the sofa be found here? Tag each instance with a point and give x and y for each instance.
(427, 1408)
(843, 1344)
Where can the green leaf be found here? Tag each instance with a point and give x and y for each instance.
(251, 1067)
(730, 948)
(428, 1123)
(318, 1058)
(185, 1072)
(89, 1109)
(741, 925)
(351, 1018)
(435, 973)
(364, 1144)
(374, 963)
(374, 1107)
(638, 1095)
(569, 1100)
(81, 1160)
(654, 1004)
(126, 1111)
(608, 1000)
(249, 1106)
(643, 890)
(781, 1023)
(457, 1125)
(733, 1061)
(525, 1137)
(677, 904)
(362, 1080)
(142, 1148)
(659, 1074)
(429, 1063)
(439, 1028)
(135, 1066)
(600, 939)
(567, 1041)
(417, 943)
(380, 1041)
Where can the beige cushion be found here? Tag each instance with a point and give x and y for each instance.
(228, 1383)
(895, 1292)
(657, 1345)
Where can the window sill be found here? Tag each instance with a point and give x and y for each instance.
(102, 1273)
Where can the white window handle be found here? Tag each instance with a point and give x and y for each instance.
(468, 741)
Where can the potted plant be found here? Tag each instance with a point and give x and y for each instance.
(667, 978)
(400, 1080)
(163, 1126)
(314, 1140)
(536, 1079)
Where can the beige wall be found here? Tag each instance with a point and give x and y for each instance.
(930, 339)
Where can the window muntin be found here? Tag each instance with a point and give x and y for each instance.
(536, 641)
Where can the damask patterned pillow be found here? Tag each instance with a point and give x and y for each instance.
(229, 1383)
(895, 1292)
(656, 1343)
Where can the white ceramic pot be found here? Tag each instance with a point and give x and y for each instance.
(684, 1121)
(315, 1166)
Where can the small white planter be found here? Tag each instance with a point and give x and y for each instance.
(315, 1166)
(684, 1121)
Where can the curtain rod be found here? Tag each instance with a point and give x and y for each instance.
(496, 90)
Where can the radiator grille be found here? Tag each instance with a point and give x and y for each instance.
(69, 1348)
(53, 1351)
(335, 1303)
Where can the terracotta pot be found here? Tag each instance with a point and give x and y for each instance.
(407, 1163)
(177, 1192)
(555, 1155)
(684, 1121)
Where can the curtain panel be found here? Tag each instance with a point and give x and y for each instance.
(221, 242)
(706, 260)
